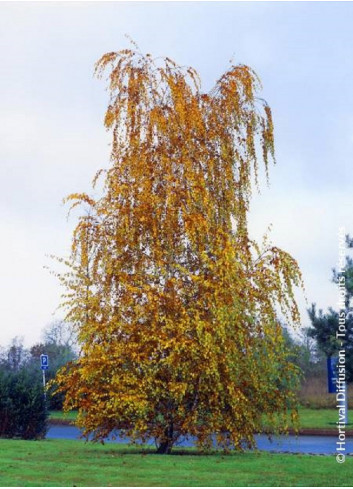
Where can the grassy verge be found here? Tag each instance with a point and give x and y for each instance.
(309, 418)
(75, 463)
(60, 415)
(318, 418)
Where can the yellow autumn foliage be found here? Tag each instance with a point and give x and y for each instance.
(176, 307)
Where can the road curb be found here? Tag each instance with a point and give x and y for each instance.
(301, 432)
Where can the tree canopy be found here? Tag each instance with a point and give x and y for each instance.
(324, 327)
(176, 306)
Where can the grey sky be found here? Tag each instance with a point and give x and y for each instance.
(52, 139)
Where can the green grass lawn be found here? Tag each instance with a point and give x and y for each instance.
(318, 418)
(71, 415)
(75, 463)
(309, 418)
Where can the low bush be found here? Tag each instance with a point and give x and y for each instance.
(23, 412)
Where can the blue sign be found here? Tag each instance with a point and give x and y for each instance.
(44, 363)
(332, 363)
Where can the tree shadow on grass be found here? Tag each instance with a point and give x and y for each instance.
(189, 451)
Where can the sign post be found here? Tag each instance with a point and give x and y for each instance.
(332, 363)
(333, 385)
(44, 365)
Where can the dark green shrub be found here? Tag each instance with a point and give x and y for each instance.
(22, 407)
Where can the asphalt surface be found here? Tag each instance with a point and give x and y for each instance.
(324, 445)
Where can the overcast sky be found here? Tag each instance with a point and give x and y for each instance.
(52, 139)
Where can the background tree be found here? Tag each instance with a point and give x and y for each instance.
(348, 274)
(23, 412)
(22, 407)
(176, 307)
(60, 333)
(304, 352)
(15, 356)
(325, 326)
(60, 344)
(324, 329)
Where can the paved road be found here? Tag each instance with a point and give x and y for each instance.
(301, 444)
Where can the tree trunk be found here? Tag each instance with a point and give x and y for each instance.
(166, 445)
